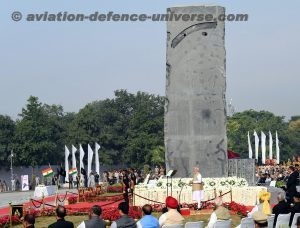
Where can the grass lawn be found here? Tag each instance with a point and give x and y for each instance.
(45, 221)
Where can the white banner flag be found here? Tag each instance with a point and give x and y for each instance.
(67, 153)
(263, 148)
(249, 146)
(256, 138)
(270, 146)
(74, 149)
(90, 159)
(81, 155)
(97, 164)
(277, 149)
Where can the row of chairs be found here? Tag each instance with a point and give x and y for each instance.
(282, 222)
(200, 224)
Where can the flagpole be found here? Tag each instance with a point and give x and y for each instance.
(11, 166)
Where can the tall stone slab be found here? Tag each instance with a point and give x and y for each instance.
(195, 111)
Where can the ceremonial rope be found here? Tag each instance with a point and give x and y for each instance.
(63, 199)
(41, 202)
(147, 199)
(164, 203)
(65, 196)
(216, 197)
(35, 205)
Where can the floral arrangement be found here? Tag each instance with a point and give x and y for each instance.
(110, 213)
(237, 208)
(224, 182)
(5, 220)
(209, 183)
(113, 214)
(234, 207)
(72, 199)
(100, 198)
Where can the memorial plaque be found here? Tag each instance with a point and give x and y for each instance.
(244, 168)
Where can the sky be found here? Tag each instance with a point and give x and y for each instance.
(74, 63)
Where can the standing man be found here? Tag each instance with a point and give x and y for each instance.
(291, 183)
(97, 178)
(126, 186)
(37, 180)
(197, 187)
(70, 181)
(13, 184)
(91, 180)
(77, 181)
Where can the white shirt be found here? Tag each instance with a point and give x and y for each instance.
(139, 225)
(213, 219)
(254, 209)
(81, 225)
(162, 219)
(113, 225)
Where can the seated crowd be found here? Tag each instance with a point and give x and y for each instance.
(267, 173)
(171, 215)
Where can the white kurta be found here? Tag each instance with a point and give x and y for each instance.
(198, 195)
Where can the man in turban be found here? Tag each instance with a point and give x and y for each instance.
(264, 205)
(172, 216)
(220, 213)
(260, 219)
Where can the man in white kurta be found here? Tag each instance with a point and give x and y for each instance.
(198, 192)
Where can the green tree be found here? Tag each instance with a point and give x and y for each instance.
(240, 123)
(38, 136)
(128, 127)
(7, 128)
(294, 135)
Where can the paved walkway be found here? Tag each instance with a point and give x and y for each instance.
(21, 197)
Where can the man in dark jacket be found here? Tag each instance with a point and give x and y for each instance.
(291, 183)
(94, 221)
(296, 207)
(61, 212)
(281, 208)
(125, 220)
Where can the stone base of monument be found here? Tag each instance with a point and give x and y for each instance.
(230, 189)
